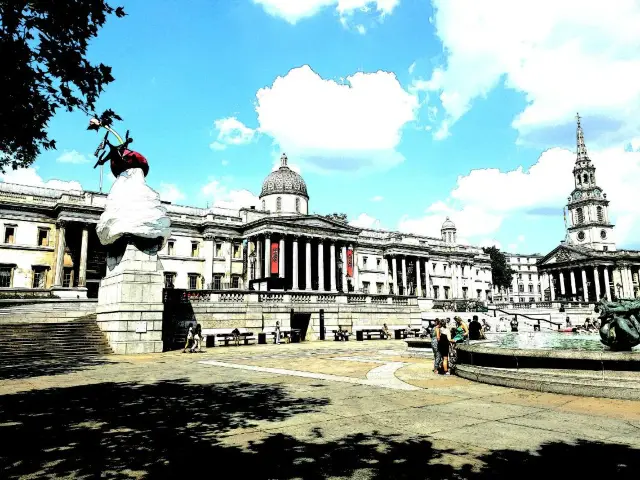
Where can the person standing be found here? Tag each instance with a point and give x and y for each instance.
(514, 324)
(277, 333)
(437, 359)
(189, 338)
(475, 329)
(443, 346)
(461, 331)
(197, 339)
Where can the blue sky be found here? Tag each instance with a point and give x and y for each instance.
(394, 111)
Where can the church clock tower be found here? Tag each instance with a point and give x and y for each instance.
(588, 207)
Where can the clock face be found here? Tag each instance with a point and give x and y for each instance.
(603, 234)
(581, 236)
(577, 195)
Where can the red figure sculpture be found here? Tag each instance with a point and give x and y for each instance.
(119, 156)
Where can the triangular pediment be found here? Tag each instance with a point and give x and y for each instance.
(314, 221)
(563, 254)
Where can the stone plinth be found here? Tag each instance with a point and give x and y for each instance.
(130, 304)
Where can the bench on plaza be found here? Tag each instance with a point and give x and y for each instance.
(403, 331)
(340, 334)
(368, 330)
(286, 334)
(214, 336)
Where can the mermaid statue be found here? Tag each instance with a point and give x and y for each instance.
(133, 212)
(619, 325)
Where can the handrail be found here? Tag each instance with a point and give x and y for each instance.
(530, 318)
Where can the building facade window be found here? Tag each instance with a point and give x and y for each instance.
(600, 214)
(171, 247)
(217, 282)
(530, 288)
(193, 281)
(278, 204)
(10, 234)
(237, 251)
(379, 287)
(264, 205)
(378, 263)
(218, 253)
(464, 292)
(194, 249)
(436, 292)
(169, 280)
(520, 288)
(579, 215)
(39, 277)
(6, 276)
(67, 277)
(364, 262)
(235, 281)
(297, 205)
(531, 299)
(43, 237)
(365, 287)
(446, 293)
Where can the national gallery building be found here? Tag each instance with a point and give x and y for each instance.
(49, 244)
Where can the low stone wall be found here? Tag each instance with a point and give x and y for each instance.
(255, 311)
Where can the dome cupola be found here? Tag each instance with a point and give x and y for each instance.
(448, 231)
(284, 191)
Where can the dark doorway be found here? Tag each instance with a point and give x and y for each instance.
(322, 333)
(300, 321)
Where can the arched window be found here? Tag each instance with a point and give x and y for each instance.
(264, 205)
(591, 178)
(579, 215)
(578, 179)
(278, 204)
(585, 178)
(600, 214)
(297, 205)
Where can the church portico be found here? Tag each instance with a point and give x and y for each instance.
(587, 266)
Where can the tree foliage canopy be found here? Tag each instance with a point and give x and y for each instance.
(501, 272)
(43, 45)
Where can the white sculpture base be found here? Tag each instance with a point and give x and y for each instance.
(130, 304)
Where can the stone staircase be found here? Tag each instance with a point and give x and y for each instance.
(45, 311)
(28, 343)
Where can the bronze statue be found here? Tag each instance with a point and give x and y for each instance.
(619, 325)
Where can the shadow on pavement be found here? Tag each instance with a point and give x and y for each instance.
(57, 366)
(174, 429)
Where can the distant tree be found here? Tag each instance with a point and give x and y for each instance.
(338, 217)
(43, 67)
(501, 272)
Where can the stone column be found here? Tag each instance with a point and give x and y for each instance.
(267, 256)
(561, 283)
(82, 273)
(230, 259)
(307, 262)
(60, 244)
(386, 274)
(427, 279)
(585, 288)
(404, 276)
(419, 280)
(259, 258)
(294, 258)
(573, 282)
(630, 282)
(320, 266)
(607, 288)
(281, 258)
(344, 268)
(356, 271)
(552, 288)
(596, 278)
(332, 267)
(394, 273)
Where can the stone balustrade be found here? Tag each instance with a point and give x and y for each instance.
(275, 297)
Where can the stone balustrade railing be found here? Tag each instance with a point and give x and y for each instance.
(250, 296)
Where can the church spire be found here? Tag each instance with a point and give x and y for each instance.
(581, 151)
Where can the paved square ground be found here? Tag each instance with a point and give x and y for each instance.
(309, 411)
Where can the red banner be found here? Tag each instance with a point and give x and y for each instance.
(350, 263)
(275, 257)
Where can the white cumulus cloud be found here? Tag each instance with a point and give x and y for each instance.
(377, 198)
(564, 56)
(351, 125)
(170, 193)
(72, 156)
(366, 221)
(29, 176)
(295, 10)
(484, 198)
(231, 131)
(220, 196)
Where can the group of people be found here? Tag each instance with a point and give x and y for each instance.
(194, 339)
(589, 326)
(444, 337)
(502, 324)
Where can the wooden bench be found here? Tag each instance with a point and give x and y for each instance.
(285, 333)
(213, 336)
(340, 335)
(368, 330)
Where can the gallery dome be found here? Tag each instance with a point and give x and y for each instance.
(284, 181)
